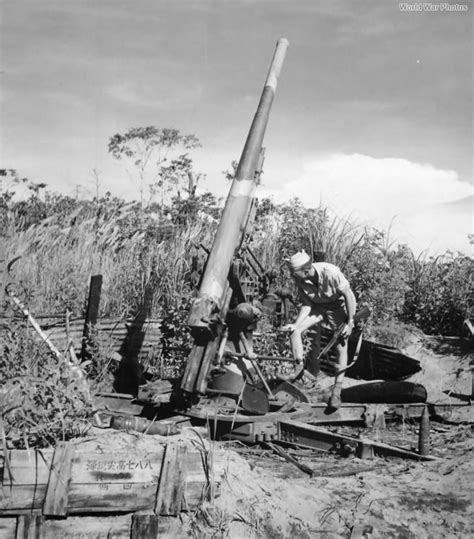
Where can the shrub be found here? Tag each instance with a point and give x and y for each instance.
(435, 295)
(441, 293)
(40, 401)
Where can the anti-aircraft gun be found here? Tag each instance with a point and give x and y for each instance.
(222, 382)
(220, 314)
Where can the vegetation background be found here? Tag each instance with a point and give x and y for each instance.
(153, 245)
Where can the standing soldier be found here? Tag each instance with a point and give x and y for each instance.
(327, 298)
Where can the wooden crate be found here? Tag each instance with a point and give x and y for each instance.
(41, 489)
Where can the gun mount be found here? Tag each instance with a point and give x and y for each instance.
(220, 314)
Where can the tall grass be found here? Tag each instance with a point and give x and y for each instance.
(289, 227)
(56, 262)
(148, 261)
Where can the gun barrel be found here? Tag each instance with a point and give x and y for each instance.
(231, 228)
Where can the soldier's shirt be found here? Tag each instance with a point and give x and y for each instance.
(327, 293)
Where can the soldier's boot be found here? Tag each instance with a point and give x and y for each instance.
(335, 398)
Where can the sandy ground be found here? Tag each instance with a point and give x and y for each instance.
(264, 496)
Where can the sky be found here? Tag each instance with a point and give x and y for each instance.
(372, 116)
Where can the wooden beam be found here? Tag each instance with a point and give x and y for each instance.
(57, 490)
(142, 525)
(85, 527)
(304, 435)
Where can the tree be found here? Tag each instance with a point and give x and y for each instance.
(229, 174)
(9, 182)
(147, 151)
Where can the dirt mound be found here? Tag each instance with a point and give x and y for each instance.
(446, 370)
(263, 497)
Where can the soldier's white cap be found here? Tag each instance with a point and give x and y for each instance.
(298, 260)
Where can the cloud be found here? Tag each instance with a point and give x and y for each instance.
(155, 97)
(436, 230)
(377, 191)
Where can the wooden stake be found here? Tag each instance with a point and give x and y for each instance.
(92, 312)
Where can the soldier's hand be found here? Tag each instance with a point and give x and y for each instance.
(289, 328)
(347, 330)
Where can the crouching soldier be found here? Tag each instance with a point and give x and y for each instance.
(327, 298)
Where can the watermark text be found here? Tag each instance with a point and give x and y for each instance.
(428, 6)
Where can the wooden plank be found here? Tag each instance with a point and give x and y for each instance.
(90, 527)
(171, 489)
(16, 500)
(165, 487)
(169, 527)
(179, 480)
(27, 467)
(29, 527)
(103, 498)
(56, 497)
(93, 498)
(8, 527)
(116, 527)
(33, 467)
(144, 525)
